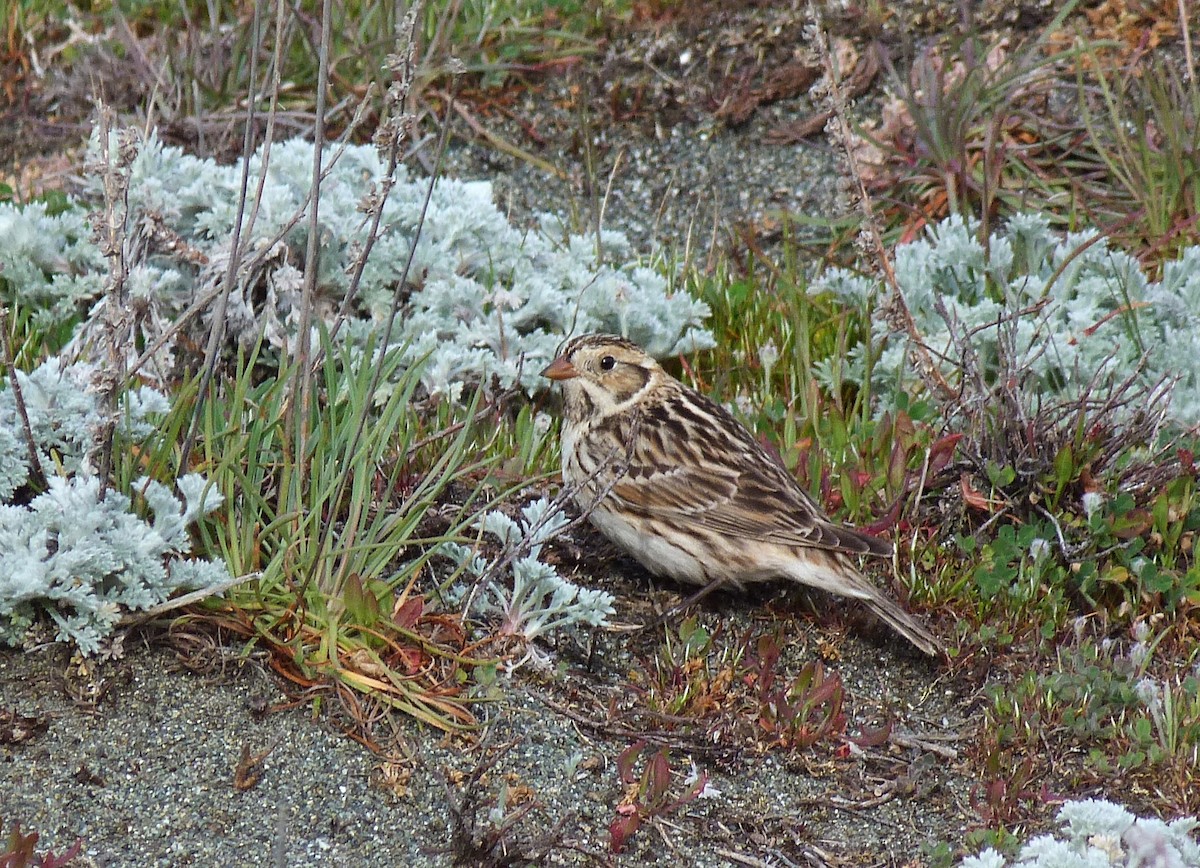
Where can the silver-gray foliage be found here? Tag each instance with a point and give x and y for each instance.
(48, 261)
(68, 555)
(63, 417)
(1100, 834)
(84, 561)
(482, 293)
(1069, 311)
(539, 600)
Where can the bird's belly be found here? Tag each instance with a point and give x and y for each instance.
(661, 552)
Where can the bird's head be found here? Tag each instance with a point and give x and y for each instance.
(602, 374)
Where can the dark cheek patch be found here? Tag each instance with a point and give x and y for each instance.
(631, 381)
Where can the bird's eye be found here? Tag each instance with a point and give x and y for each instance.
(607, 363)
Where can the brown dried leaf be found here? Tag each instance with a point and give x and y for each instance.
(784, 82)
(16, 728)
(249, 770)
(971, 495)
(395, 776)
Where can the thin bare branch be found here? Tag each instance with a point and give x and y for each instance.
(302, 393)
(216, 335)
(35, 463)
(111, 236)
(899, 316)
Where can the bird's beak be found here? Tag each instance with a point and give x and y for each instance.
(560, 369)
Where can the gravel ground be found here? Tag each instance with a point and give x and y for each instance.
(677, 196)
(676, 181)
(146, 776)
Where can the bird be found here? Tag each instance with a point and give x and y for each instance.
(683, 487)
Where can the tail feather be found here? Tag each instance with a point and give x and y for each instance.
(836, 572)
(904, 624)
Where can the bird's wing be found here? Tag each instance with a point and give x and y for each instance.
(691, 461)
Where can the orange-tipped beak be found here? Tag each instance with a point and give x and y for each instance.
(560, 369)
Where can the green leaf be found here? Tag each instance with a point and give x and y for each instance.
(1064, 468)
(361, 604)
(1142, 729)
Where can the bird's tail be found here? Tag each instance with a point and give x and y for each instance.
(903, 623)
(834, 571)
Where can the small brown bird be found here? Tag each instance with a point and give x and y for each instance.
(690, 493)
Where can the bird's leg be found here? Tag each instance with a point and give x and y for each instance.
(686, 604)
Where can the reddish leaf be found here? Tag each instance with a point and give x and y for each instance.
(627, 758)
(941, 452)
(249, 770)
(21, 846)
(622, 828)
(971, 497)
(658, 777)
(887, 521)
(873, 737)
(408, 613)
(410, 660)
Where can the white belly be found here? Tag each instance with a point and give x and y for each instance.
(652, 550)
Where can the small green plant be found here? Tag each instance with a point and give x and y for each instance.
(1016, 564)
(337, 539)
(1129, 710)
(689, 676)
(1006, 796)
(1143, 121)
(650, 794)
(802, 711)
(972, 145)
(1150, 567)
(1169, 733)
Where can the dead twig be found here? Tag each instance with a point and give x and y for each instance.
(109, 227)
(927, 743)
(899, 317)
(132, 619)
(35, 462)
(661, 738)
(488, 833)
